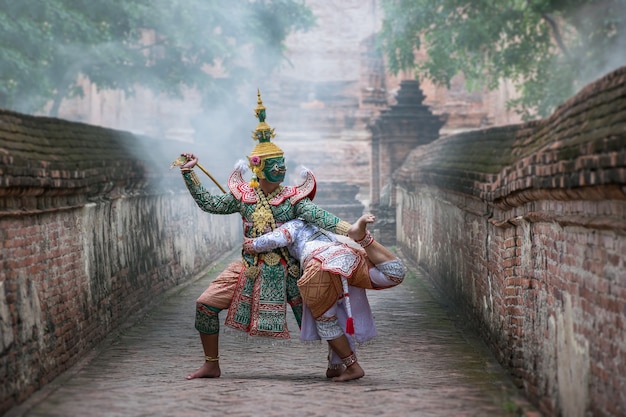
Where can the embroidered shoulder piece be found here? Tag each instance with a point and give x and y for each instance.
(306, 189)
(241, 189)
(284, 194)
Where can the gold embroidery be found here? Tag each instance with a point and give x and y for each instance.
(252, 271)
(263, 216)
(342, 228)
(262, 222)
(271, 258)
(260, 218)
(294, 270)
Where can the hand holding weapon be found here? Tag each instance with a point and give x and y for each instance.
(183, 159)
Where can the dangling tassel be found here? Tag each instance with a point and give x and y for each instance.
(350, 326)
(346, 297)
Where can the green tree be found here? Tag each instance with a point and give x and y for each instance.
(548, 48)
(165, 45)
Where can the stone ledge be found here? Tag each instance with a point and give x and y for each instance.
(48, 163)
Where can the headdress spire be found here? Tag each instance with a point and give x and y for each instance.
(265, 149)
(264, 133)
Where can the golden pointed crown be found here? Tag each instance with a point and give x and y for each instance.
(264, 133)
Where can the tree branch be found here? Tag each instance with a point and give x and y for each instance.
(557, 34)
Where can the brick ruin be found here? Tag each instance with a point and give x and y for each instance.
(523, 228)
(320, 103)
(94, 228)
(403, 126)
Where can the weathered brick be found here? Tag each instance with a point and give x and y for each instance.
(559, 201)
(51, 261)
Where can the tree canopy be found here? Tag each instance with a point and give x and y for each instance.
(549, 49)
(165, 45)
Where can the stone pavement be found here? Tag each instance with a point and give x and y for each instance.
(421, 364)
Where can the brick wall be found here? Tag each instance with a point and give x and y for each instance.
(524, 228)
(93, 228)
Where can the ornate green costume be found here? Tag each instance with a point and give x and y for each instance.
(257, 289)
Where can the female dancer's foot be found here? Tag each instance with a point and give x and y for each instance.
(353, 371)
(334, 372)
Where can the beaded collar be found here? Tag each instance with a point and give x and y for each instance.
(263, 218)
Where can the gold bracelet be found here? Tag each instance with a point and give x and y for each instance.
(212, 359)
(342, 228)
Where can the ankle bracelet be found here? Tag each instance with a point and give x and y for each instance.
(212, 359)
(349, 360)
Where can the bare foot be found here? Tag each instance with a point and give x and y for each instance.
(331, 373)
(358, 229)
(354, 371)
(208, 370)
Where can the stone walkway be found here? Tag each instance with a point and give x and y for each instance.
(421, 364)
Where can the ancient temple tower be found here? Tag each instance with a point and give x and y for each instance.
(397, 130)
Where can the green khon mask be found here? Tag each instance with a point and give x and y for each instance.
(275, 169)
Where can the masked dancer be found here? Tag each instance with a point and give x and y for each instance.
(255, 291)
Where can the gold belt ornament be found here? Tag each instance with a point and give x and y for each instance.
(252, 271)
(294, 270)
(271, 258)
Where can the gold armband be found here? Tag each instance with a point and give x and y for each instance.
(342, 228)
(192, 177)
